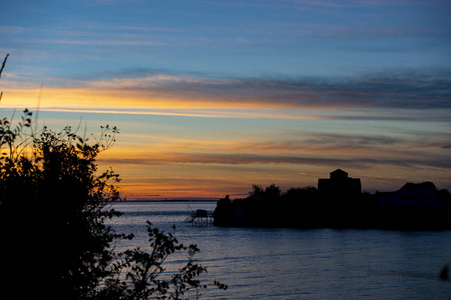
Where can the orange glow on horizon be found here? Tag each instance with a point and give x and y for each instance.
(201, 157)
(124, 101)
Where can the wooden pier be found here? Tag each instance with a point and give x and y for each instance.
(202, 218)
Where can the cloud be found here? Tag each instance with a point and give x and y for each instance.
(249, 158)
(408, 151)
(13, 30)
(404, 95)
(305, 141)
(402, 89)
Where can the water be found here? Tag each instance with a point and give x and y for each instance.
(268, 263)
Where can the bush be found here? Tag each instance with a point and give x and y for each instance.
(54, 242)
(54, 239)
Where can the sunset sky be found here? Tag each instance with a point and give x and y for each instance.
(213, 96)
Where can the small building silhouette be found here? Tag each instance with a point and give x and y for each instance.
(340, 185)
(415, 197)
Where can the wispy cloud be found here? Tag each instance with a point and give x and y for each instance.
(298, 148)
(401, 95)
(401, 89)
(245, 159)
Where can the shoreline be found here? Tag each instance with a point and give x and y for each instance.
(169, 200)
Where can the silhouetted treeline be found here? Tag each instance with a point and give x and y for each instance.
(296, 207)
(307, 207)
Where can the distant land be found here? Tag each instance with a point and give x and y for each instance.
(175, 200)
(338, 202)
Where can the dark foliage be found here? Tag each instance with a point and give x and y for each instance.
(307, 207)
(136, 273)
(54, 238)
(53, 209)
(270, 207)
(1, 71)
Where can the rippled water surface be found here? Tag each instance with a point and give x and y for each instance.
(268, 263)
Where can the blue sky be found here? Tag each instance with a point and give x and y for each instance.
(212, 96)
(229, 38)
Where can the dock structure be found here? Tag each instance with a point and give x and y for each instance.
(202, 218)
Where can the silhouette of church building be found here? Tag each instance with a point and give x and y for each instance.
(340, 185)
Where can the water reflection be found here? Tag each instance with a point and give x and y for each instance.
(305, 264)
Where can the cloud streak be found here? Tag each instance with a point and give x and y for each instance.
(301, 148)
(398, 90)
(407, 89)
(246, 159)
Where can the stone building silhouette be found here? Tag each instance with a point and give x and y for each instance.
(340, 186)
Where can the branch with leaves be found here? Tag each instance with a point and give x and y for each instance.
(137, 273)
(57, 189)
(52, 198)
(1, 71)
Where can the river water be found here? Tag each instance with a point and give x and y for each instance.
(283, 263)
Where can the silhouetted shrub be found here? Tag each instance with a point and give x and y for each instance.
(54, 239)
(52, 209)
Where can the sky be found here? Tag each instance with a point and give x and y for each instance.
(211, 97)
